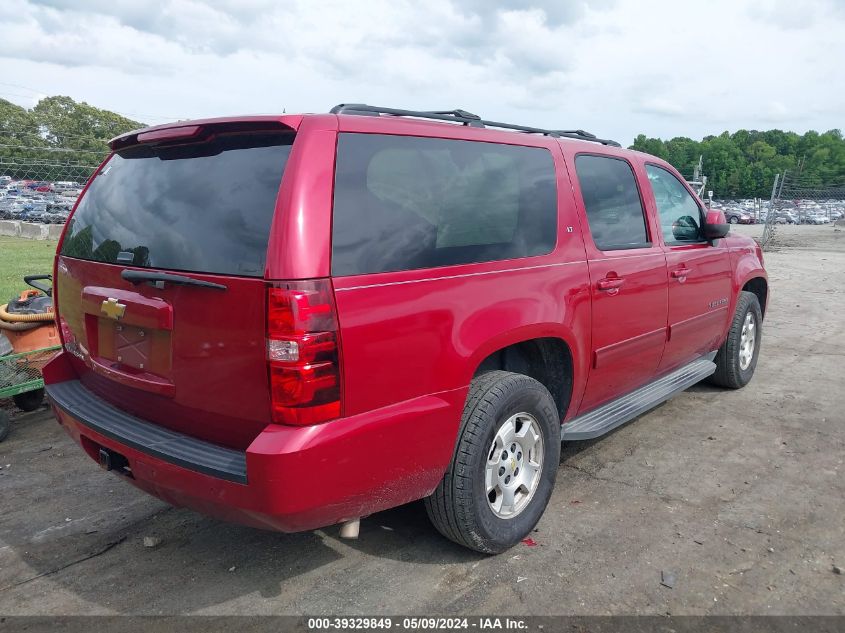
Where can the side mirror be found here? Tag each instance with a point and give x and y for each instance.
(684, 229)
(715, 225)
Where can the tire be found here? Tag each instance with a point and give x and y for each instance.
(30, 400)
(730, 371)
(5, 425)
(734, 220)
(460, 508)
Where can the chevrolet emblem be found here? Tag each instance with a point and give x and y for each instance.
(112, 309)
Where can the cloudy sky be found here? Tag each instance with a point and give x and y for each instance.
(614, 67)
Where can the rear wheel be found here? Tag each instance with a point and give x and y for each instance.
(30, 400)
(504, 467)
(737, 358)
(734, 220)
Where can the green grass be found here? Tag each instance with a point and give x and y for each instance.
(19, 257)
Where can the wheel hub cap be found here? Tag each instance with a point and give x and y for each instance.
(514, 465)
(747, 341)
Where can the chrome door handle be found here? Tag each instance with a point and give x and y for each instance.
(680, 274)
(610, 285)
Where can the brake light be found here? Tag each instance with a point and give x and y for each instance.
(169, 134)
(302, 352)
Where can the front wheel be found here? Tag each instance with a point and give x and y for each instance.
(504, 466)
(734, 220)
(736, 360)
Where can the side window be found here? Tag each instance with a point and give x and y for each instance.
(680, 215)
(404, 202)
(612, 201)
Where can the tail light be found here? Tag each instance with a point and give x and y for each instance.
(302, 352)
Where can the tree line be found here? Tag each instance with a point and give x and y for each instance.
(744, 164)
(57, 139)
(61, 139)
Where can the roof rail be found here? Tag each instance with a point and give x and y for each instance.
(465, 118)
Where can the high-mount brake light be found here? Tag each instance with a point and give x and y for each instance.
(169, 134)
(302, 352)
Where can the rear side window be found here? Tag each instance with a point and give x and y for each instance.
(201, 207)
(612, 201)
(403, 203)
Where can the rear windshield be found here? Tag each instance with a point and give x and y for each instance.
(202, 207)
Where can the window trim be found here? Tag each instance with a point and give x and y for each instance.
(701, 213)
(649, 243)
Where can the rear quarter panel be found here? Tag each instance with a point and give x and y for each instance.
(411, 337)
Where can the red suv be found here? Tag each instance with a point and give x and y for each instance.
(297, 321)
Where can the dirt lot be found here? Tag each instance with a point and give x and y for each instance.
(741, 495)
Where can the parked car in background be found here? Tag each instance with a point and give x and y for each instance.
(426, 304)
(735, 216)
(37, 201)
(65, 185)
(59, 205)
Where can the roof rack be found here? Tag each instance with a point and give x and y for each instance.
(465, 118)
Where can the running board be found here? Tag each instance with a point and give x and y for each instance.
(616, 412)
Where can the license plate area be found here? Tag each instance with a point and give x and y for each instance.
(131, 348)
(129, 334)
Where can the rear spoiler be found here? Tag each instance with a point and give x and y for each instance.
(187, 130)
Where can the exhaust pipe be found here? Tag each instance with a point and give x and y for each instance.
(349, 529)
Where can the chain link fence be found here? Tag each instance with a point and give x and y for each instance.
(797, 199)
(40, 184)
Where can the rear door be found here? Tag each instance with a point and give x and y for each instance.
(699, 273)
(189, 353)
(628, 279)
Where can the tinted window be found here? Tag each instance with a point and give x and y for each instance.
(680, 215)
(612, 201)
(204, 207)
(408, 202)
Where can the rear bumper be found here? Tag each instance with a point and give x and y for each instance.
(290, 478)
(85, 408)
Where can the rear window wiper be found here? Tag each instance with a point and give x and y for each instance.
(158, 279)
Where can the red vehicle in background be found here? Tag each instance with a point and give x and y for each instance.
(295, 321)
(36, 185)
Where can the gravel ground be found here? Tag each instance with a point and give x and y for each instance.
(737, 495)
